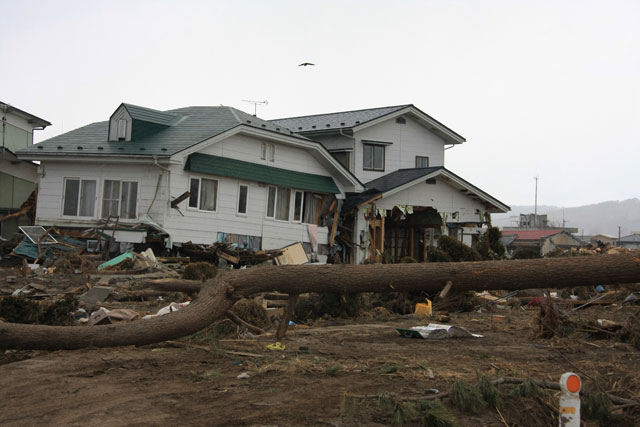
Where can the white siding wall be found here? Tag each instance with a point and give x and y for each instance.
(440, 196)
(196, 226)
(248, 149)
(51, 188)
(203, 226)
(408, 141)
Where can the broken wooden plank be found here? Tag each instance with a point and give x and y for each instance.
(175, 202)
(288, 314)
(334, 228)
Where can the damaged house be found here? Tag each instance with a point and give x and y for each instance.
(410, 198)
(216, 174)
(18, 178)
(195, 174)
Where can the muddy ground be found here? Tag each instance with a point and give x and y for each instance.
(328, 374)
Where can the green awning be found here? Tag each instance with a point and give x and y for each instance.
(222, 166)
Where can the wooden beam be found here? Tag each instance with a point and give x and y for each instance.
(288, 314)
(334, 227)
(175, 202)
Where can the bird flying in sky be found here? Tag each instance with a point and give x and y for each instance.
(305, 64)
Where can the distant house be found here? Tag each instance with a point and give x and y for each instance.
(198, 174)
(631, 241)
(18, 178)
(410, 197)
(604, 239)
(543, 241)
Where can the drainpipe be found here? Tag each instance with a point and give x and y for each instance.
(162, 169)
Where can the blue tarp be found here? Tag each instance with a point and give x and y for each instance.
(30, 250)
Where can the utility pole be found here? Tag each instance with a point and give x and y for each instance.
(535, 212)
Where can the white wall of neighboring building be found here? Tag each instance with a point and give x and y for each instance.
(51, 189)
(408, 141)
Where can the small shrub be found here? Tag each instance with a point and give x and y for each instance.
(529, 388)
(596, 406)
(434, 414)
(490, 392)
(467, 397)
(457, 250)
(437, 255)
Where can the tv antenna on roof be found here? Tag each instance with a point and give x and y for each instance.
(255, 104)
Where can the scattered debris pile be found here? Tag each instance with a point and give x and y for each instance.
(228, 252)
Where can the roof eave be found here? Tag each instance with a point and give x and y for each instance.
(446, 133)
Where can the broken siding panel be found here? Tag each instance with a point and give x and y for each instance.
(277, 234)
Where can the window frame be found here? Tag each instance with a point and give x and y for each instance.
(293, 216)
(422, 158)
(199, 195)
(246, 200)
(121, 182)
(373, 147)
(277, 189)
(78, 204)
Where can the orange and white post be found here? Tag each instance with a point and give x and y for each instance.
(569, 415)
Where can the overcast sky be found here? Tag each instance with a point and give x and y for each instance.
(546, 88)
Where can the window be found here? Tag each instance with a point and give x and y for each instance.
(373, 157)
(401, 120)
(298, 203)
(120, 198)
(243, 190)
(203, 194)
(268, 150)
(422, 162)
(79, 197)
(344, 157)
(122, 130)
(278, 203)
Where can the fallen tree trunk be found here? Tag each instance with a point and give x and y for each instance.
(220, 293)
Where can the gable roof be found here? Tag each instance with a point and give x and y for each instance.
(401, 179)
(184, 127)
(341, 120)
(149, 115)
(632, 238)
(358, 119)
(34, 120)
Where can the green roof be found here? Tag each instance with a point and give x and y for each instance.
(153, 133)
(149, 115)
(222, 166)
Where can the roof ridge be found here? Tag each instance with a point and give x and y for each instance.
(234, 114)
(342, 112)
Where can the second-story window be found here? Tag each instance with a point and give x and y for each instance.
(373, 157)
(422, 162)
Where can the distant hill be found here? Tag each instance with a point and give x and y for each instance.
(600, 218)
